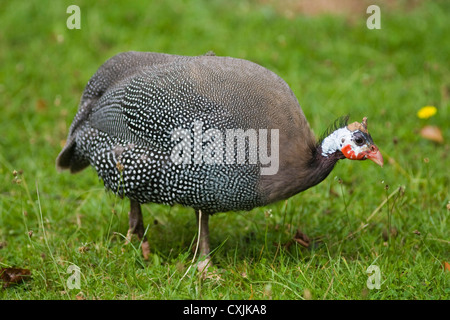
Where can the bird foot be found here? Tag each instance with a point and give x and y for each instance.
(204, 265)
(129, 236)
(136, 224)
(145, 249)
(145, 246)
(206, 269)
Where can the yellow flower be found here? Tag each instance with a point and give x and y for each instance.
(426, 112)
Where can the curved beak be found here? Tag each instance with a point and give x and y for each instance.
(375, 155)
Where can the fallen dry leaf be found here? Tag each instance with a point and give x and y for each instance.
(432, 133)
(300, 238)
(446, 266)
(41, 105)
(10, 276)
(80, 296)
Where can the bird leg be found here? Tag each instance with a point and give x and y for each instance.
(203, 241)
(136, 224)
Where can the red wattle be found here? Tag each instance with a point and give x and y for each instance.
(350, 154)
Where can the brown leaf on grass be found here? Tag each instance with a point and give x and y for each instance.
(10, 276)
(446, 266)
(300, 238)
(432, 133)
(41, 105)
(80, 296)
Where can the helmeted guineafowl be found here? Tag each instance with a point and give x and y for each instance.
(212, 133)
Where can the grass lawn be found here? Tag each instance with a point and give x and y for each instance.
(395, 217)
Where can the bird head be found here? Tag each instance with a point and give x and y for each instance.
(359, 144)
(354, 141)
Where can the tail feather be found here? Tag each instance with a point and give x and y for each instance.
(68, 159)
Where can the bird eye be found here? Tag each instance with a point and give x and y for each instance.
(359, 141)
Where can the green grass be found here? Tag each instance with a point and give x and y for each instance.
(335, 66)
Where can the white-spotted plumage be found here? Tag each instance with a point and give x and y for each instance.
(136, 100)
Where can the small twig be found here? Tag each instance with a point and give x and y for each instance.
(384, 202)
(197, 245)
(41, 222)
(328, 289)
(345, 203)
(363, 226)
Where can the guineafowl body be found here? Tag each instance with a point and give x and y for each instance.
(136, 101)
